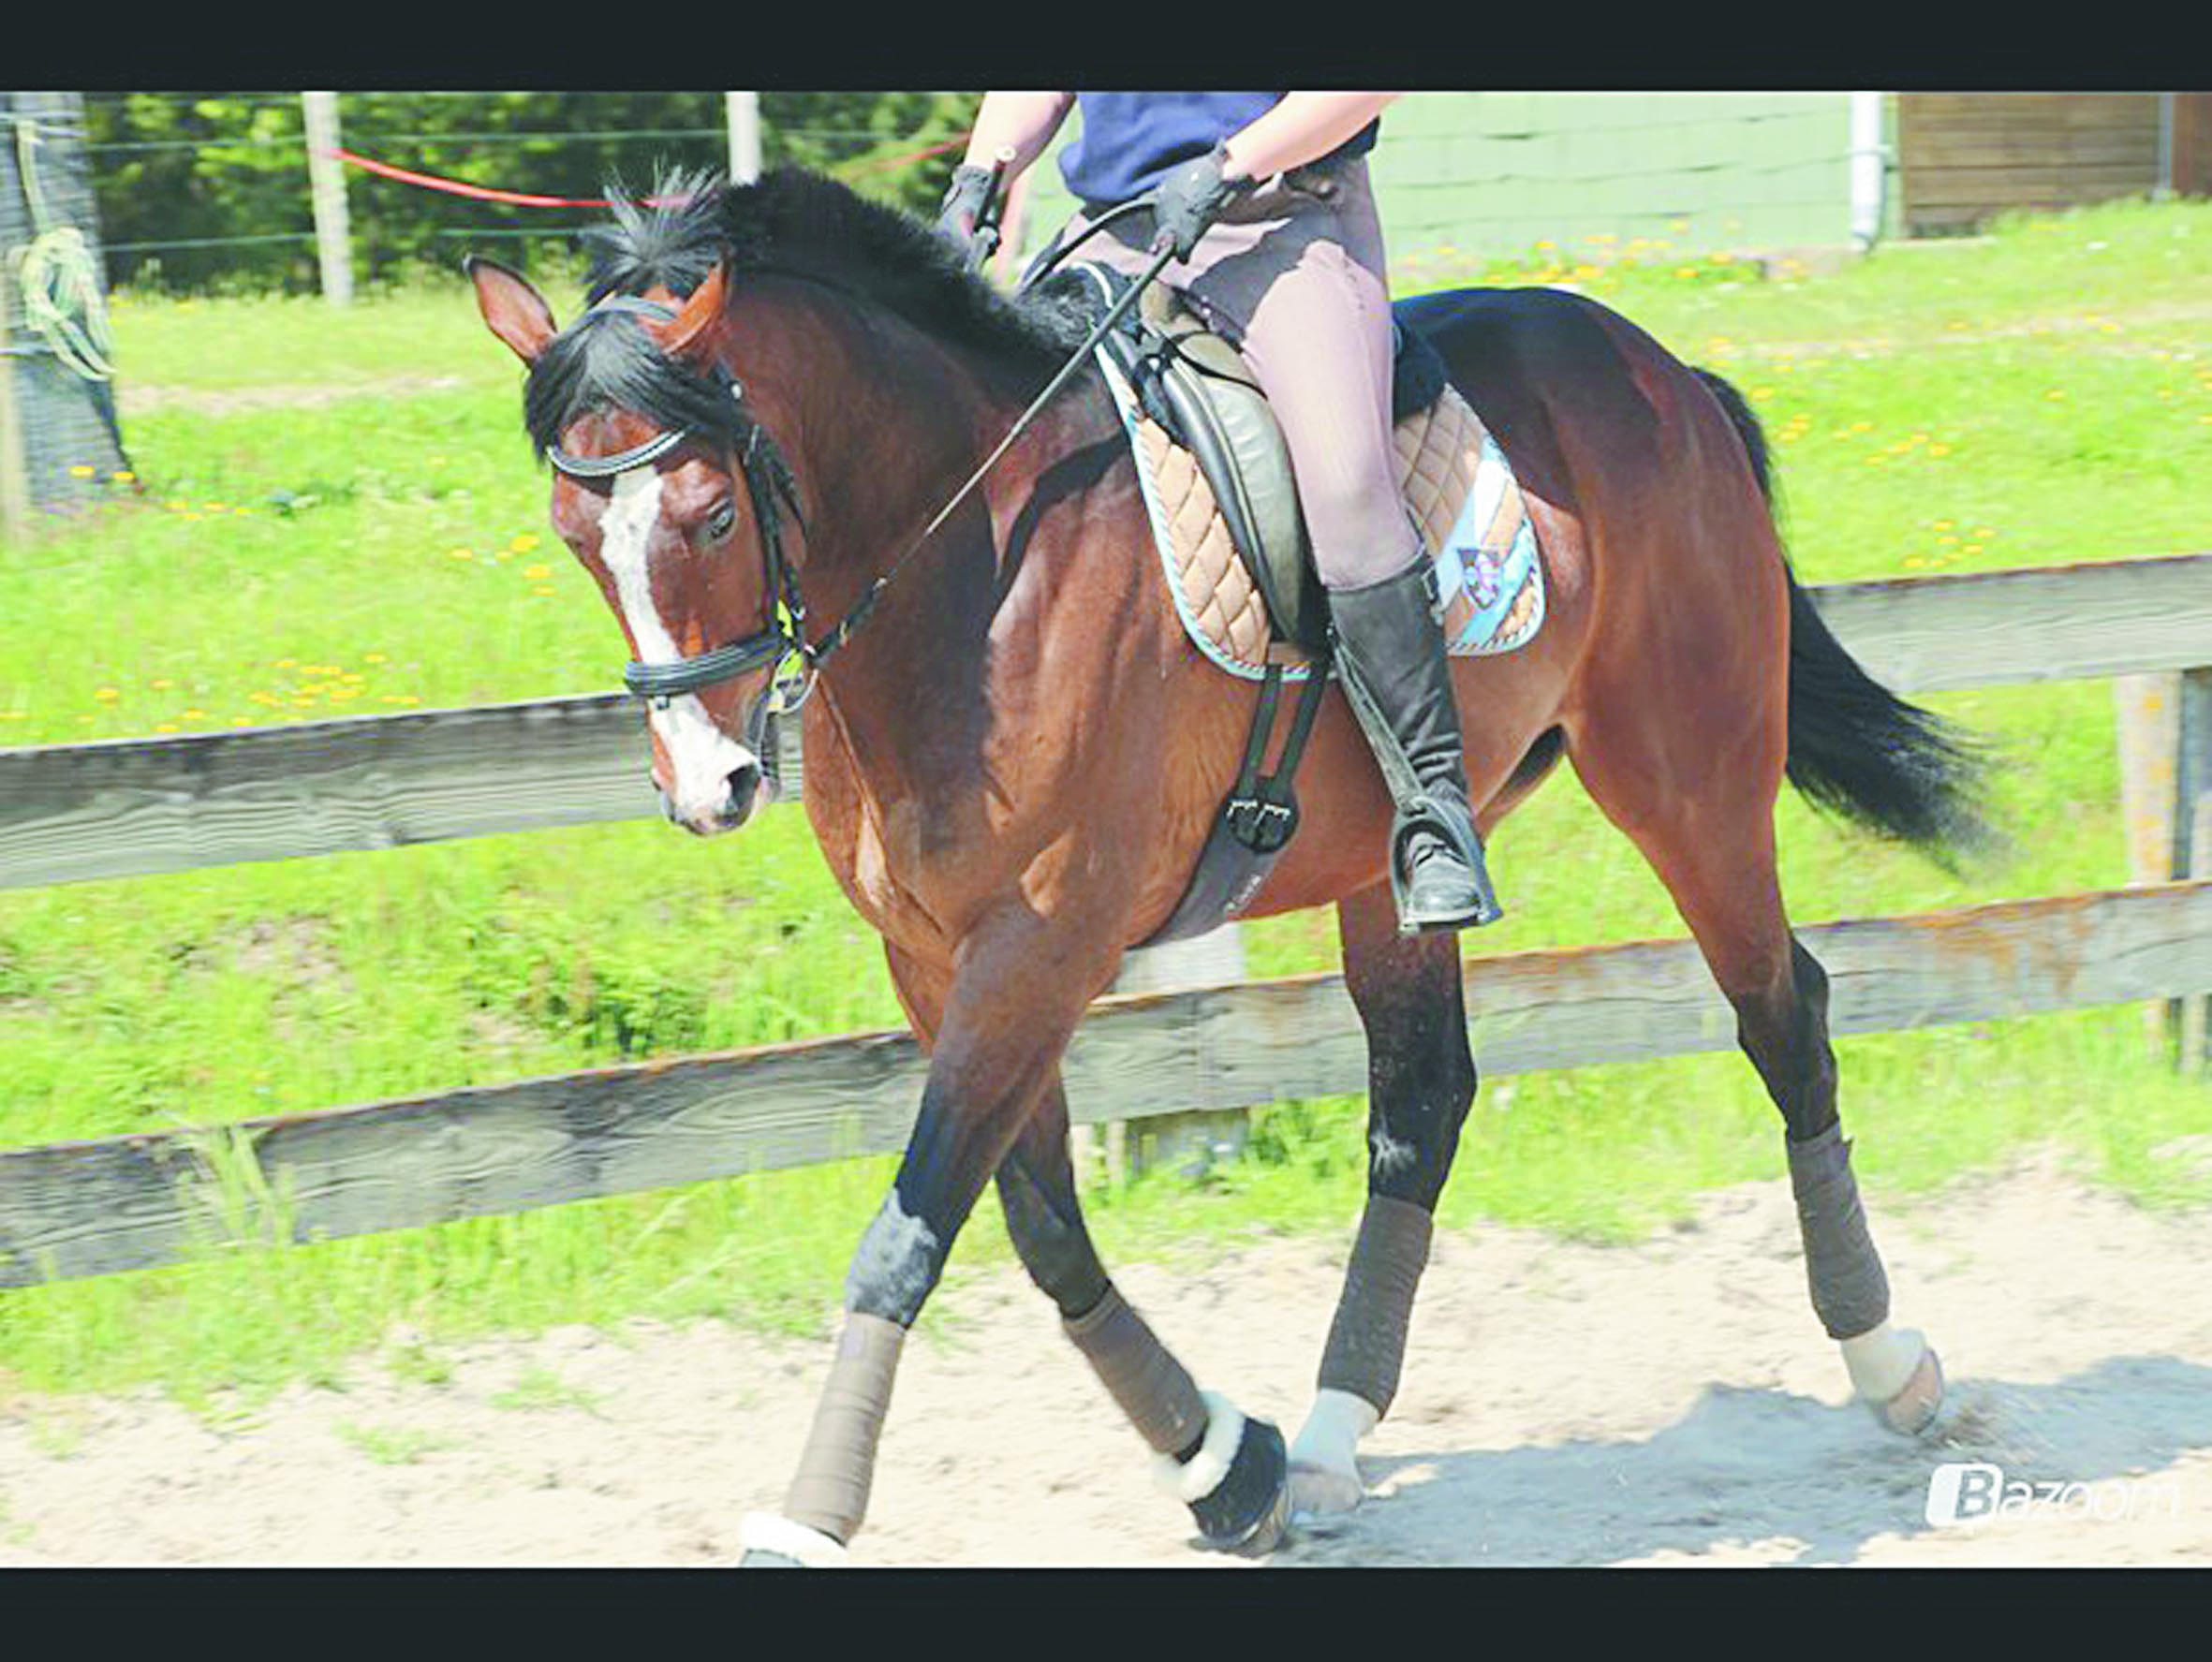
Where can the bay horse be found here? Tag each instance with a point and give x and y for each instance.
(1012, 767)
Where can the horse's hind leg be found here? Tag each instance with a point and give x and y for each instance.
(1421, 1081)
(1701, 812)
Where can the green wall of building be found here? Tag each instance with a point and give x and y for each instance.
(1499, 173)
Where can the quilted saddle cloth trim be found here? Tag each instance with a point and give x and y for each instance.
(1458, 487)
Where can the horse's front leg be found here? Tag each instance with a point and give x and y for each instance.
(994, 1029)
(1421, 1081)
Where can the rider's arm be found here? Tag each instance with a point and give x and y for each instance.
(1021, 122)
(1303, 127)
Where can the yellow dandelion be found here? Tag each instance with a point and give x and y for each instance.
(195, 715)
(106, 695)
(216, 508)
(523, 543)
(123, 476)
(165, 727)
(458, 554)
(242, 720)
(1971, 548)
(541, 589)
(2054, 393)
(539, 572)
(161, 683)
(82, 472)
(188, 518)
(1938, 450)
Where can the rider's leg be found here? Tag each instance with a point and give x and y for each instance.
(1317, 333)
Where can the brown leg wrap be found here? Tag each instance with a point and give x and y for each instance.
(830, 1491)
(1851, 1293)
(1150, 1385)
(1368, 1339)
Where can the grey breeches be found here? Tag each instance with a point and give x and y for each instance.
(1294, 274)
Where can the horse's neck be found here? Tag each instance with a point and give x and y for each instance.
(890, 425)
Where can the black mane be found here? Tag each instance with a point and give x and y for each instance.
(790, 220)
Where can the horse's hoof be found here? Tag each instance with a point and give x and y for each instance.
(1323, 1492)
(1914, 1408)
(774, 1542)
(1237, 1485)
(1249, 1511)
(1324, 1458)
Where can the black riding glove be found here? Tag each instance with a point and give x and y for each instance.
(1191, 197)
(963, 207)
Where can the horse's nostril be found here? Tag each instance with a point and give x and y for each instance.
(744, 785)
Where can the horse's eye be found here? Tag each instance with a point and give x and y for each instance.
(721, 523)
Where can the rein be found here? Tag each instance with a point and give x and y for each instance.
(768, 477)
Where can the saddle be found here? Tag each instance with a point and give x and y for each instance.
(1218, 484)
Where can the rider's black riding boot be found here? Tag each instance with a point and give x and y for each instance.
(1389, 655)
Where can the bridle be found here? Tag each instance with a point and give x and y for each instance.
(771, 487)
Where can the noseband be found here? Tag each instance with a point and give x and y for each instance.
(771, 485)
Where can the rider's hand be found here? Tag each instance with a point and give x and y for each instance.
(1191, 197)
(964, 205)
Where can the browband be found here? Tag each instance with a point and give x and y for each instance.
(599, 467)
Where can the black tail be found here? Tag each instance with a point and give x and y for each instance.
(1857, 749)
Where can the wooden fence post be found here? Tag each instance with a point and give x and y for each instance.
(2196, 1008)
(1187, 1142)
(15, 486)
(326, 189)
(2165, 739)
(743, 111)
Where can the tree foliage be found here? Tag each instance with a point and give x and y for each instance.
(187, 167)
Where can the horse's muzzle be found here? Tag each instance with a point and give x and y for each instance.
(747, 788)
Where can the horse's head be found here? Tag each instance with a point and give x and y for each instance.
(666, 489)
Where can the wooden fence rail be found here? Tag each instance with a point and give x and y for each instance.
(127, 1202)
(130, 808)
(71, 813)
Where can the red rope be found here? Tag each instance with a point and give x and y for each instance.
(485, 193)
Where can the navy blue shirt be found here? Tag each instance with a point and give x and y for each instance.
(1129, 141)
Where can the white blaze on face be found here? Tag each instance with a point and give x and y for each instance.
(701, 756)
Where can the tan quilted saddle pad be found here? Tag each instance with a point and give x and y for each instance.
(1457, 483)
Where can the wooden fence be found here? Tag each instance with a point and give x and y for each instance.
(76, 812)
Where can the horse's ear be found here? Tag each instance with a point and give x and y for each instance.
(515, 312)
(687, 336)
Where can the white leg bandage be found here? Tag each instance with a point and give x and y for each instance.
(1881, 1360)
(1325, 1470)
(769, 1532)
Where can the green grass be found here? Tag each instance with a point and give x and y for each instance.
(392, 552)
